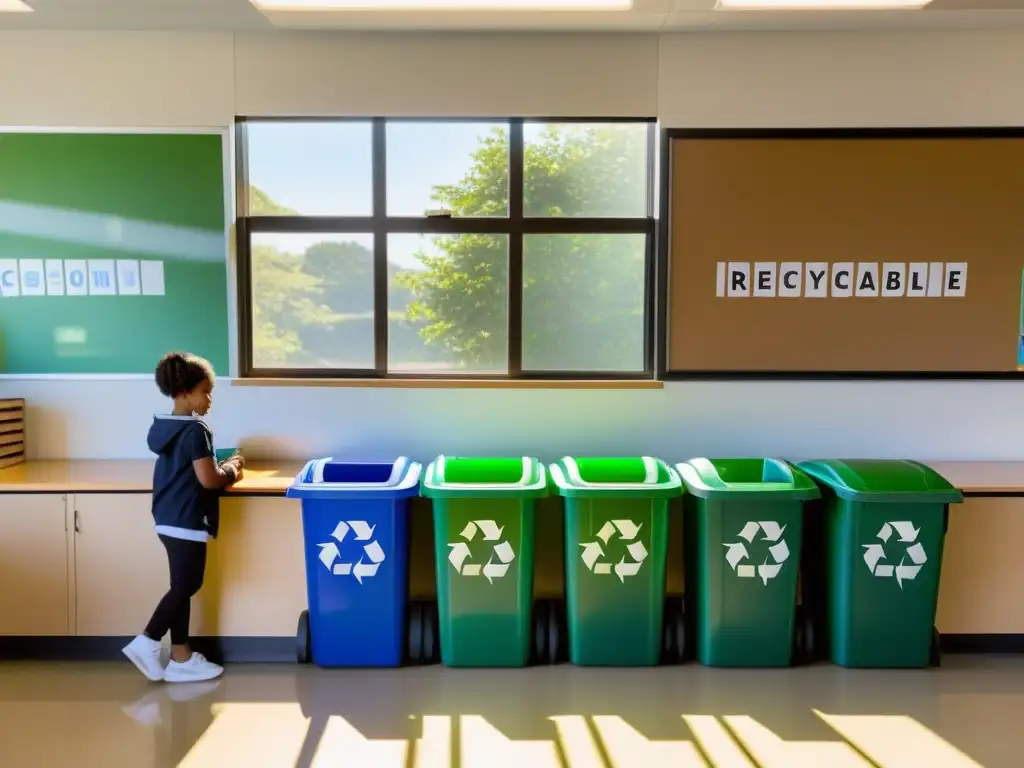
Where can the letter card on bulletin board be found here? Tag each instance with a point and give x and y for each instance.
(112, 251)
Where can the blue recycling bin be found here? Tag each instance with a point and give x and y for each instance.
(355, 531)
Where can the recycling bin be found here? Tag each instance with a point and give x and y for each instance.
(616, 542)
(484, 542)
(883, 525)
(355, 526)
(743, 527)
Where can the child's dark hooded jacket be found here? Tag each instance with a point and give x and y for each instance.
(182, 507)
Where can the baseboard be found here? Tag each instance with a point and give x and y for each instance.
(218, 649)
(282, 649)
(1009, 643)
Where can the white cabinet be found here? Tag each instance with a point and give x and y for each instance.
(90, 564)
(33, 565)
(255, 575)
(120, 566)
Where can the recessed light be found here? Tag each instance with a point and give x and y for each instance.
(820, 5)
(14, 6)
(443, 5)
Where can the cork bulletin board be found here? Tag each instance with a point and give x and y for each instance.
(843, 252)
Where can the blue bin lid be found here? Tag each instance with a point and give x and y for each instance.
(362, 480)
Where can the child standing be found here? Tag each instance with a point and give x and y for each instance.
(186, 480)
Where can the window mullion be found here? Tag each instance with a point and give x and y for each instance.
(380, 247)
(516, 167)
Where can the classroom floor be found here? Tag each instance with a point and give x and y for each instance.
(102, 714)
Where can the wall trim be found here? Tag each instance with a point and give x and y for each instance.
(217, 649)
(248, 650)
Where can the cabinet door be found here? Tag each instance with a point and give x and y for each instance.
(256, 575)
(120, 564)
(33, 565)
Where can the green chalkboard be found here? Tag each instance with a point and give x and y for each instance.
(112, 251)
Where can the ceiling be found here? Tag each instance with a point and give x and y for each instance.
(646, 16)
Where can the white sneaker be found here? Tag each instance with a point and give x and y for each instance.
(195, 669)
(144, 653)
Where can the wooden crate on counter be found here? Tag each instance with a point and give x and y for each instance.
(12, 431)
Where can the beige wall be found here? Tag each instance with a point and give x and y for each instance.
(443, 75)
(116, 79)
(124, 79)
(842, 79)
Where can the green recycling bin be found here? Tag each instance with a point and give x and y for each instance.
(483, 544)
(616, 540)
(743, 529)
(883, 526)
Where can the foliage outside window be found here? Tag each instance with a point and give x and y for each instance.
(540, 265)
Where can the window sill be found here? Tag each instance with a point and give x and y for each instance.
(454, 383)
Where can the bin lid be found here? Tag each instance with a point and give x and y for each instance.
(330, 479)
(608, 477)
(451, 476)
(762, 479)
(883, 480)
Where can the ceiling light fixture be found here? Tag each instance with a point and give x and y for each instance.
(14, 6)
(443, 5)
(821, 5)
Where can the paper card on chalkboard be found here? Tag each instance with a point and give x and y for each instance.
(152, 278)
(101, 278)
(32, 282)
(76, 274)
(55, 277)
(9, 282)
(128, 281)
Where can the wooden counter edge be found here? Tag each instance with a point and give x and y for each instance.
(264, 478)
(270, 478)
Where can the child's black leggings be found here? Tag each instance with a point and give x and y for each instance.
(187, 560)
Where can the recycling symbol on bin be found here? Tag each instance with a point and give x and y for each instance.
(330, 553)
(593, 551)
(501, 556)
(736, 552)
(873, 553)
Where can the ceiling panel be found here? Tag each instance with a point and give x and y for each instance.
(647, 15)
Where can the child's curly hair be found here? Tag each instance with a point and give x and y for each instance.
(178, 373)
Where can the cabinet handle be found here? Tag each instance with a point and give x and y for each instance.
(77, 528)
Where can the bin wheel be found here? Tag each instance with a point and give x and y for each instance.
(414, 647)
(556, 631)
(430, 638)
(302, 645)
(935, 651)
(803, 636)
(673, 645)
(541, 615)
(810, 640)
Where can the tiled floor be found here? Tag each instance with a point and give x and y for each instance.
(83, 715)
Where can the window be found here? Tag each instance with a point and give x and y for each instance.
(511, 248)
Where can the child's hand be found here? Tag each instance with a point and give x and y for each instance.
(237, 460)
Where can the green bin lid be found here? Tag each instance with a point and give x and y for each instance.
(751, 479)
(450, 476)
(881, 480)
(609, 477)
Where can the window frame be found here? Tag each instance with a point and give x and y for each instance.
(515, 226)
